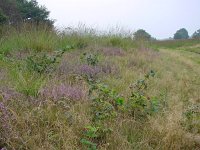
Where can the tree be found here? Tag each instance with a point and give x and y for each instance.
(142, 35)
(196, 34)
(25, 11)
(10, 10)
(32, 11)
(181, 34)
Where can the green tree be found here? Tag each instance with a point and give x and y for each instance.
(181, 34)
(24, 11)
(10, 10)
(142, 35)
(32, 11)
(196, 34)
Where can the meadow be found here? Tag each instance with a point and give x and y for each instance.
(79, 90)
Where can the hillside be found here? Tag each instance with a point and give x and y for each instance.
(83, 91)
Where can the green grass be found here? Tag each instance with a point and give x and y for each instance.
(174, 44)
(191, 45)
(31, 117)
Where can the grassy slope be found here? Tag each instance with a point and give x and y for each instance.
(36, 121)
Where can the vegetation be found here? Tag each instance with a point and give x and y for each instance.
(142, 35)
(80, 90)
(196, 34)
(181, 34)
(17, 11)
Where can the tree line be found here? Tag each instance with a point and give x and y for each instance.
(180, 34)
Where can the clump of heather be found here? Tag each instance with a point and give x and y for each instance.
(63, 91)
(8, 93)
(112, 52)
(88, 70)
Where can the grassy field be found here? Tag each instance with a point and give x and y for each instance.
(82, 91)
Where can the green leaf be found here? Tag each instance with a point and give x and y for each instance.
(119, 101)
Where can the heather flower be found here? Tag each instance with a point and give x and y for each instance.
(112, 52)
(88, 70)
(63, 91)
(8, 93)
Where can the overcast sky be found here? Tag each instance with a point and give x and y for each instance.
(161, 18)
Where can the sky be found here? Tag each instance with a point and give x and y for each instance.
(160, 18)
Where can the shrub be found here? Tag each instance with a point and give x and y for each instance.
(140, 104)
(44, 63)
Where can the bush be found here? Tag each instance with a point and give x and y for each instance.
(43, 63)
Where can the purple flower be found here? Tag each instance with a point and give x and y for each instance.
(8, 93)
(88, 70)
(63, 91)
(112, 52)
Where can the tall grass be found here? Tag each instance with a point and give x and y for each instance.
(43, 38)
(28, 37)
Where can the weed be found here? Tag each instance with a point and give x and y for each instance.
(90, 59)
(139, 104)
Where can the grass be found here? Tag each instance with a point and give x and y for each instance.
(190, 45)
(54, 110)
